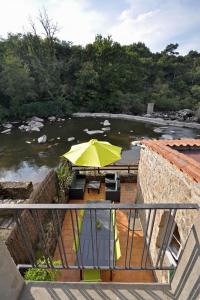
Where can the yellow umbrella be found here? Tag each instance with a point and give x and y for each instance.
(93, 154)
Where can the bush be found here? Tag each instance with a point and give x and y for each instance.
(46, 108)
(4, 113)
(36, 274)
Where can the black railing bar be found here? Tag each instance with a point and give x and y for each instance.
(109, 236)
(132, 238)
(97, 250)
(106, 167)
(20, 266)
(43, 246)
(163, 240)
(150, 236)
(57, 237)
(100, 206)
(24, 240)
(92, 236)
(145, 236)
(44, 241)
(79, 241)
(75, 241)
(114, 224)
(27, 237)
(60, 234)
(168, 237)
(127, 241)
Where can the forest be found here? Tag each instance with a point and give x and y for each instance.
(42, 75)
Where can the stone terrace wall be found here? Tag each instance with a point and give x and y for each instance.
(159, 181)
(44, 193)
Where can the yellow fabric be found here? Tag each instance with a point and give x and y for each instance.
(93, 154)
(116, 238)
(80, 224)
(91, 275)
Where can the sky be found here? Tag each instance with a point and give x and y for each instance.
(157, 23)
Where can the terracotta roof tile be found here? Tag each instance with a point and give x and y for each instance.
(185, 163)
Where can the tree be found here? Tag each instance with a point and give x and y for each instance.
(16, 84)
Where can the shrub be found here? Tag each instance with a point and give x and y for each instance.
(36, 274)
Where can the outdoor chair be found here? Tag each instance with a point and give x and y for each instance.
(113, 191)
(77, 187)
(111, 177)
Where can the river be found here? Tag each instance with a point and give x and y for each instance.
(22, 158)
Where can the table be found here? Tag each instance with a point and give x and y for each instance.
(94, 185)
(96, 246)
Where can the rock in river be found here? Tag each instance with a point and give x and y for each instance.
(42, 139)
(106, 123)
(167, 137)
(90, 132)
(7, 125)
(36, 119)
(52, 119)
(158, 130)
(6, 131)
(105, 128)
(35, 129)
(72, 138)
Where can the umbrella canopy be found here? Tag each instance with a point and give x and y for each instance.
(93, 154)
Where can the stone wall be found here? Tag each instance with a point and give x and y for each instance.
(46, 192)
(159, 181)
(15, 190)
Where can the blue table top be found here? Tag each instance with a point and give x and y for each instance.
(96, 247)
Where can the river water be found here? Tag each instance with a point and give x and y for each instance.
(20, 160)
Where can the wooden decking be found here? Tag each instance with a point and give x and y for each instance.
(128, 194)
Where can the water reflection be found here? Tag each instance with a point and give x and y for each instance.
(24, 172)
(20, 160)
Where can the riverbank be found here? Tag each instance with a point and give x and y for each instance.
(151, 120)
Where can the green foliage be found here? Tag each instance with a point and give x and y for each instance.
(4, 113)
(45, 76)
(64, 174)
(36, 274)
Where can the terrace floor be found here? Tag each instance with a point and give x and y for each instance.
(128, 195)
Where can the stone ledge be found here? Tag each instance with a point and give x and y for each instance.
(15, 189)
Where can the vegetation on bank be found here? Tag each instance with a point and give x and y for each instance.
(41, 75)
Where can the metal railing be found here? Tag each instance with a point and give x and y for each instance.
(124, 235)
(113, 167)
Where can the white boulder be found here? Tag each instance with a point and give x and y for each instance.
(52, 119)
(60, 120)
(90, 132)
(167, 137)
(72, 138)
(42, 139)
(36, 119)
(7, 125)
(35, 124)
(21, 127)
(158, 130)
(6, 131)
(106, 123)
(35, 129)
(105, 128)
(27, 128)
